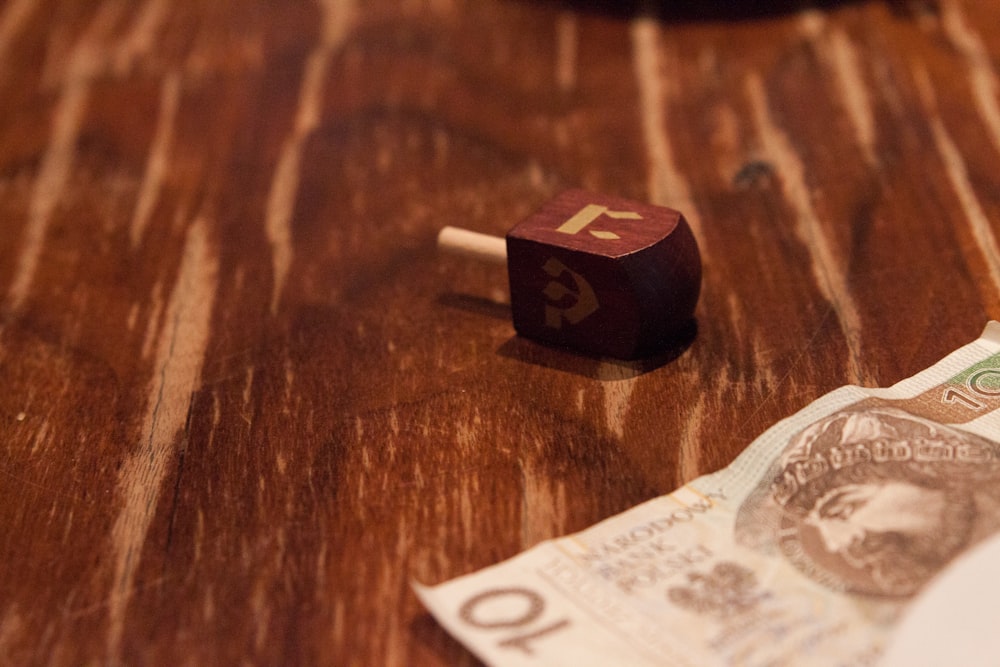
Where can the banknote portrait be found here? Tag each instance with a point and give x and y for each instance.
(874, 500)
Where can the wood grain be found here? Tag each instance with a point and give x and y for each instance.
(244, 403)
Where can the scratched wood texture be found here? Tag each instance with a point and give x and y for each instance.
(244, 403)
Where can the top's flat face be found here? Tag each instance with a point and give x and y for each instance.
(597, 224)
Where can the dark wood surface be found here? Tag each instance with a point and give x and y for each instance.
(243, 401)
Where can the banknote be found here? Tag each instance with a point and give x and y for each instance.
(805, 550)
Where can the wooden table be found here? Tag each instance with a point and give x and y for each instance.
(244, 402)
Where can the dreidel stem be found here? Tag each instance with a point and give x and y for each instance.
(463, 242)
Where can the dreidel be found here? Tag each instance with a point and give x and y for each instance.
(598, 274)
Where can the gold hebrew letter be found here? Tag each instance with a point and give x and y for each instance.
(584, 299)
(591, 212)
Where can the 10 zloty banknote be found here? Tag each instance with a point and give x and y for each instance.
(804, 551)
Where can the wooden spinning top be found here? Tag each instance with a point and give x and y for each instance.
(598, 274)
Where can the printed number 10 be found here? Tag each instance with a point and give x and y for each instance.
(515, 609)
(979, 388)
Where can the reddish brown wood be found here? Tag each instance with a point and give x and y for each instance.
(243, 401)
(603, 275)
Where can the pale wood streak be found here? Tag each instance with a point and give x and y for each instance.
(285, 181)
(827, 267)
(667, 185)
(691, 443)
(982, 76)
(180, 352)
(86, 60)
(141, 36)
(567, 46)
(15, 15)
(158, 158)
(48, 187)
(543, 507)
(838, 53)
(958, 175)
(12, 630)
(618, 383)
